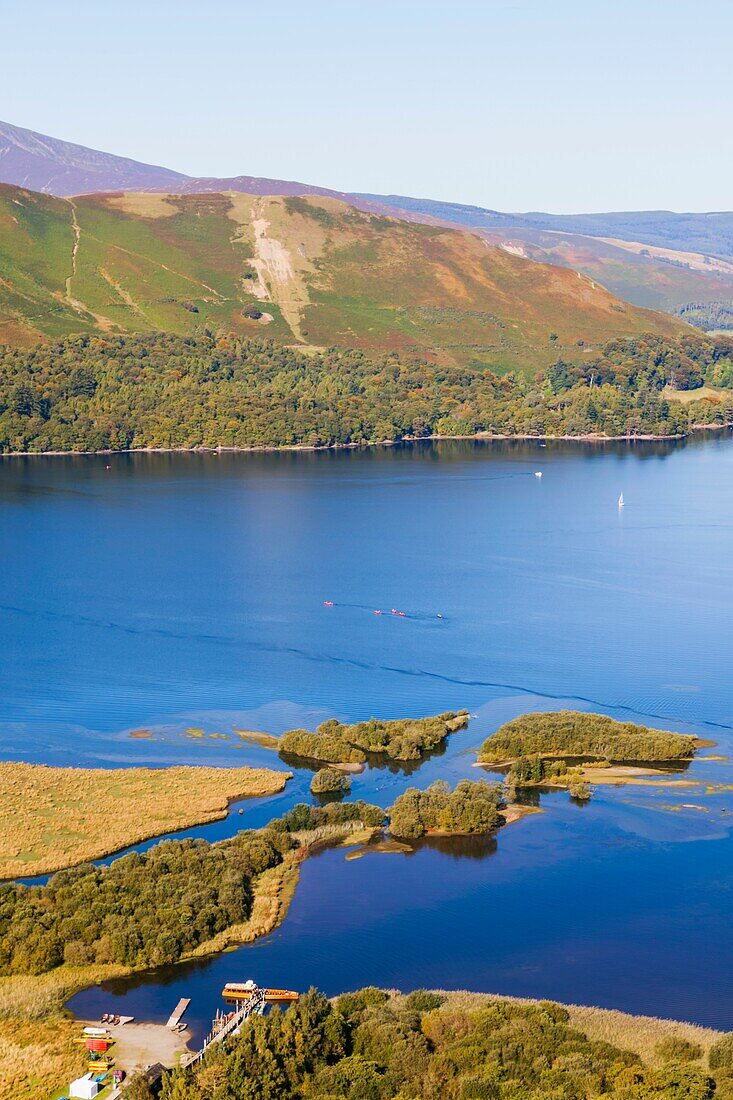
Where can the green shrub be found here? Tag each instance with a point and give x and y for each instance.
(423, 1000)
(314, 746)
(352, 1005)
(478, 1088)
(304, 818)
(330, 781)
(579, 790)
(676, 1049)
(473, 807)
(558, 1013)
(721, 1056)
(399, 739)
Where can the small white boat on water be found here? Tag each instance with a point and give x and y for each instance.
(538, 473)
(621, 500)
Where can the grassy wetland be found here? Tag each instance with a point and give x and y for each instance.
(59, 817)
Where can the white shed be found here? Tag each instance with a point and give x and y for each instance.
(86, 1088)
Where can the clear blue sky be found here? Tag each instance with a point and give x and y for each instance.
(556, 105)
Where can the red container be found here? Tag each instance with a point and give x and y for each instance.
(100, 1045)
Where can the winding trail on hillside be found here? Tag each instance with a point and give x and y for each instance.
(74, 302)
(171, 271)
(122, 293)
(79, 307)
(104, 322)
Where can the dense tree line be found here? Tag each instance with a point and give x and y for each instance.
(151, 908)
(370, 1046)
(399, 739)
(304, 818)
(591, 736)
(534, 771)
(89, 393)
(645, 365)
(144, 909)
(472, 807)
(707, 315)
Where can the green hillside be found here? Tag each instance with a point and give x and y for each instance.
(311, 271)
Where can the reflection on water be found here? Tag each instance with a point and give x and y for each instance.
(458, 847)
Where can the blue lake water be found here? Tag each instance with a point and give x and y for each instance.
(183, 591)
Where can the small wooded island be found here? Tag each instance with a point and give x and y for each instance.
(472, 807)
(536, 748)
(400, 739)
(330, 781)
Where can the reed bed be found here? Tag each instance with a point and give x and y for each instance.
(58, 817)
(36, 1049)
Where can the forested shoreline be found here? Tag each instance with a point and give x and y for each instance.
(375, 1045)
(166, 392)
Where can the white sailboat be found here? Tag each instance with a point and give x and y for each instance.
(621, 501)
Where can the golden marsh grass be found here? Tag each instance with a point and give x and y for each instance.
(58, 817)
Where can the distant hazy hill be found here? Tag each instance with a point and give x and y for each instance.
(44, 163)
(651, 276)
(709, 234)
(319, 271)
(62, 168)
(656, 259)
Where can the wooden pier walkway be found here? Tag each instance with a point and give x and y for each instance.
(256, 1004)
(175, 1017)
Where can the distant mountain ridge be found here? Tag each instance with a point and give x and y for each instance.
(62, 168)
(55, 167)
(710, 233)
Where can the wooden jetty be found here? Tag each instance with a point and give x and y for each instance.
(175, 1017)
(229, 1025)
